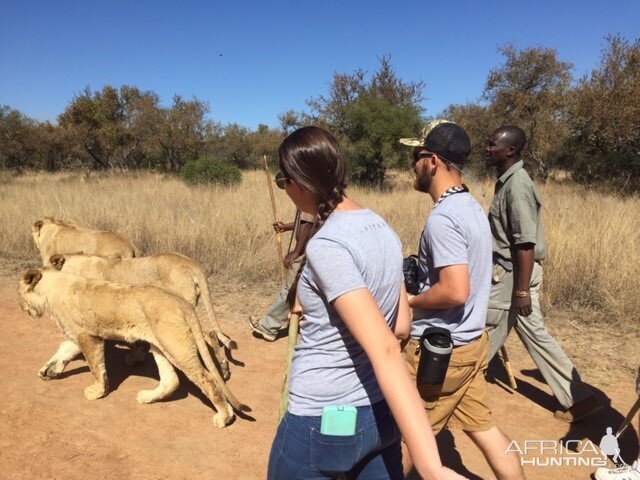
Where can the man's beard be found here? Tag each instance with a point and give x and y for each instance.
(422, 181)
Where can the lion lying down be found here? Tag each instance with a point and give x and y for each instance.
(53, 236)
(91, 311)
(173, 271)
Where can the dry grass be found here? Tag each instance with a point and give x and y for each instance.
(593, 239)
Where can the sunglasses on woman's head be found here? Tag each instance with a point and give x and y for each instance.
(281, 180)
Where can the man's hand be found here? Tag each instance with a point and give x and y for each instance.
(523, 305)
(289, 258)
(523, 268)
(281, 227)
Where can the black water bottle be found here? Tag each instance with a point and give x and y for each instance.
(435, 351)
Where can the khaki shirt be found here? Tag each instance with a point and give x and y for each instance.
(514, 215)
(302, 217)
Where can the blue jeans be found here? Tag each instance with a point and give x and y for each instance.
(299, 450)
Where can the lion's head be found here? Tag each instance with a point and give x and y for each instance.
(31, 301)
(35, 232)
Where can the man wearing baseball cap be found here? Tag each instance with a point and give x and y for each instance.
(454, 271)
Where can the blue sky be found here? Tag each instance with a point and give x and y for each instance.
(253, 60)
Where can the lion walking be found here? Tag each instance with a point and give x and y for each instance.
(173, 271)
(91, 311)
(53, 236)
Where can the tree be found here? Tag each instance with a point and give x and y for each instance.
(89, 121)
(264, 141)
(231, 143)
(181, 131)
(27, 144)
(529, 90)
(369, 116)
(375, 128)
(344, 89)
(49, 150)
(604, 117)
(478, 121)
(108, 125)
(289, 120)
(141, 122)
(15, 139)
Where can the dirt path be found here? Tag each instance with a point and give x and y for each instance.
(48, 429)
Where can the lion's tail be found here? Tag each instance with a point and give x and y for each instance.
(214, 375)
(200, 280)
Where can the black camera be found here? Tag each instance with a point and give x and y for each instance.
(411, 274)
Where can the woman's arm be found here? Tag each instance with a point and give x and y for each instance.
(402, 323)
(364, 320)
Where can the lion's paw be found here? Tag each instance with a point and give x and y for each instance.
(222, 419)
(146, 396)
(51, 370)
(95, 391)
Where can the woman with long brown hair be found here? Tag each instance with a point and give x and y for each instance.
(351, 293)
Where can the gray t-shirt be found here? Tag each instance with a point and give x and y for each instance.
(456, 232)
(354, 249)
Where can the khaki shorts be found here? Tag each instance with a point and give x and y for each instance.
(461, 401)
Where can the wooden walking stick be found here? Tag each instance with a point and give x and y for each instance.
(628, 418)
(507, 367)
(293, 338)
(294, 319)
(275, 217)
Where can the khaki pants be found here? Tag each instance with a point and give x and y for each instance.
(276, 316)
(554, 365)
(461, 401)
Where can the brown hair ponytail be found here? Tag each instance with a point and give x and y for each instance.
(311, 156)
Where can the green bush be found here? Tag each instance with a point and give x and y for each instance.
(210, 170)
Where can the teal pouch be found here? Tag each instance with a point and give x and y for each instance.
(338, 420)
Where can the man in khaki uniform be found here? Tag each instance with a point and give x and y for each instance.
(275, 319)
(518, 251)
